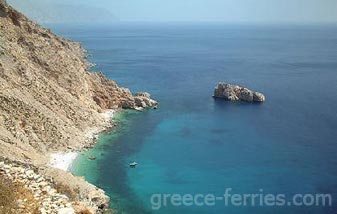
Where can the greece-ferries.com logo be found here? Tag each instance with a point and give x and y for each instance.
(230, 198)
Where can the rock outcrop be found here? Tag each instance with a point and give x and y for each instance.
(42, 189)
(49, 98)
(51, 190)
(110, 96)
(143, 100)
(237, 93)
(48, 95)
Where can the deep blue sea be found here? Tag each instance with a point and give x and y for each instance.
(195, 145)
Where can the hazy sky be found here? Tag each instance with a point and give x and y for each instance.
(232, 11)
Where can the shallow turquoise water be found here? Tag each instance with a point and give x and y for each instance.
(193, 144)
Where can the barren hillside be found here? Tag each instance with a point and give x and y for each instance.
(50, 101)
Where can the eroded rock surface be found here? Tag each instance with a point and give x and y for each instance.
(49, 98)
(49, 199)
(237, 93)
(144, 100)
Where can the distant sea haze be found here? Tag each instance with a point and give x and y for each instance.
(193, 144)
(230, 11)
(48, 11)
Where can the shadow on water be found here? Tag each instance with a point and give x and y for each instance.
(114, 166)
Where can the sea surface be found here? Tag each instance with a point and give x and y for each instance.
(193, 144)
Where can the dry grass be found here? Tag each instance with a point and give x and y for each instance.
(7, 196)
(73, 194)
(84, 212)
(10, 193)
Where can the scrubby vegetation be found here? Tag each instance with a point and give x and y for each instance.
(72, 194)
(7, 196)
(15, 199)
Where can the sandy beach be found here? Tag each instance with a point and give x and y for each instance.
(62, 161)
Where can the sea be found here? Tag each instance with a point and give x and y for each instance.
(194, 148)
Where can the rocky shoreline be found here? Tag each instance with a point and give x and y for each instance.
(51, 101)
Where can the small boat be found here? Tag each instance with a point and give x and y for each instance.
(133, 164)
(91, 157)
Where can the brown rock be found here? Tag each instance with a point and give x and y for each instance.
(49, 98)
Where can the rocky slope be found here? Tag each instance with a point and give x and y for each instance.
(237, 93)
(49, 99)
(44, 197)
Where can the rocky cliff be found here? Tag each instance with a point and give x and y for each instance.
(49, 99)
(48, 95)
(237, 93)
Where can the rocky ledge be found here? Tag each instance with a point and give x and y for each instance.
(143, 100)
(50, 98)
(49, 199)
(237, 93)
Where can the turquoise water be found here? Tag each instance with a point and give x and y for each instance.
(193, 144)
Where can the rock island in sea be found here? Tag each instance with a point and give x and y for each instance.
(237, 93)
(49, 102)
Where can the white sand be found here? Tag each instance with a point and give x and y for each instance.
(62, 161)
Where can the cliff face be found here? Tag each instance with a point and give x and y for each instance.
(48, 96)
(50, 101)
